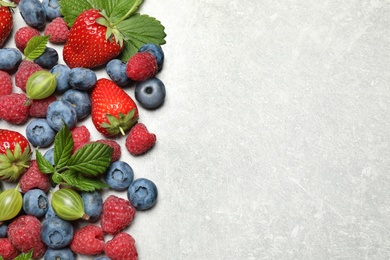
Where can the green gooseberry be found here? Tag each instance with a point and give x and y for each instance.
(68, 204)
(11, 203)
(41, 84)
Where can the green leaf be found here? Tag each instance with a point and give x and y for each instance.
(92, 159)
(43, 164)
(70, 9)
(121, 8)
(63, 147)
(35, 47)
(138, 30)
(24, 256)
(81, 182)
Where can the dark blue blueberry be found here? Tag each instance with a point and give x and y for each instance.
(33, 13)
(35, 203)
(59, 254)
(150, 93)
(9, 58)
(50, 212)
(157, 52)
(82, 78)
(62, 74)
(61, 111)
(142, 194)
(119, 175)
(80, 100)
(52, 8)
(56, 233)
(39, 133)
(48, 58)
(93, 205)
(3, 230)
(101, 258)
(116, 69)
(49, 155)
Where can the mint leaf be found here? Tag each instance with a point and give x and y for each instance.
(81, 182)
(70, 9)
(35, 47)
(138, 30)
(43, 164)
(24, 256)
(91, 159)
(63, 147)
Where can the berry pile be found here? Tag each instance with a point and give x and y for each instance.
(57, 208)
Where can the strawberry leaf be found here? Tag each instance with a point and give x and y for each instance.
(70, 9)
(35, 47)
(121, 9)
(138, 30)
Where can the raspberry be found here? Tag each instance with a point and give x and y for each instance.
(117, 214)
(116, 154)
(23, 35)
(26, 68)
(34, 179)
(141, 66)
(121, 246)
(39, 106)
(139, 140)
(7, 250)
(14, 108)
(81, 136)
(58, 30)
(25, 234)
(5, 83)
(88, 240)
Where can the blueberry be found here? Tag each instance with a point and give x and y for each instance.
(62, 74)
(3, 230)
(93, 205)
(52, 8)
(33, 13)
(80, 100)
(119, 175)
(142, 194)
(39, 133)
(59, 254)
(156, 51)
(82, 78)
(9, 58)
(150, 93)
(49, 155)
(56, 233)
(116, 69)
(101, 258)
(61, 111)
(48, 58)
(35, 203)
(50, 212)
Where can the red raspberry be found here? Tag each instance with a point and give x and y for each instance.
(121, 246)
(116, 154)
(23, 35)
(88, 240)
(117, 214)
(14, 108)
(25, 69)
(141, 66)
(5, 83)
(139, 140)
(81, 136)
(58, 30)
(25, 234)
(39, 106)
(7, 250)
(34, 179)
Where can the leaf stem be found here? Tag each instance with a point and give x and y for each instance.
(130, 12)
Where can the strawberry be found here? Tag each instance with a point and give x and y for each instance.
(6, 21)
(15, 155)
(139, 140)
(88, 45)
(113, 110)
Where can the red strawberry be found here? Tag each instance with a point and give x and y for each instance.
(139, 140)
(6, 21)
(113, 110)
(15, 154)
(87, 45)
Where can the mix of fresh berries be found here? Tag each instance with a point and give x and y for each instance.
(57, 209)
